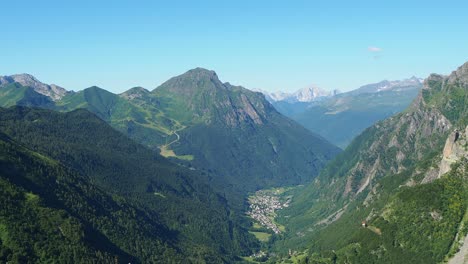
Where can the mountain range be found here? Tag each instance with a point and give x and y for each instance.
(168, 175)
(52, 91)
(305, 95)
(340, 117)
(198, 121)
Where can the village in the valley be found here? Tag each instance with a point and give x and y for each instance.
(263, 206)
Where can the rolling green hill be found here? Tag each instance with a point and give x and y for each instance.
(392, 177)
(112, 196)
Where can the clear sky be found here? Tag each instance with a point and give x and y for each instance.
(271, 45)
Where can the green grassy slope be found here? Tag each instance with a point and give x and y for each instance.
(137, 122)
(16, 94)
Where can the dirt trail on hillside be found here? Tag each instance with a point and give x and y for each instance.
(175, 140)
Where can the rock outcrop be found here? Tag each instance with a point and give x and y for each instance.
(460, 76)
(53, 91)
(456, 147)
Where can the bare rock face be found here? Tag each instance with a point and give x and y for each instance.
(414, 128)
(403, 139)
(434, 77)
(460, 76)
(456, 147)
(431, 175)
(53, 91)
(212, 101)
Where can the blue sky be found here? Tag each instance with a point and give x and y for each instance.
(271, 45)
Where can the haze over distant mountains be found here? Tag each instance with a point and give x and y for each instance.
(311, 94)
(308, 94)
(339, 117)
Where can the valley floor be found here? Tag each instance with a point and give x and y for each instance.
(263, 205)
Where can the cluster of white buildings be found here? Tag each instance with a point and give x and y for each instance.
(263, 206)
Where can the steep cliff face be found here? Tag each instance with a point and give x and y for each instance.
(389, 147)
(456, 148)
(394, 145)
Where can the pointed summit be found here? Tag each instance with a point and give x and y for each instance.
(310, 94)
(195, 81)
(134, 93)
(202, 72)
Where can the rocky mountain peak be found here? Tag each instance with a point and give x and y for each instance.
(191, 81)
(432, 78)
(310, 94)
(460, 76)
(25, 78)
(206, 98)
(200, 75)
(202, 72)
(53, 91)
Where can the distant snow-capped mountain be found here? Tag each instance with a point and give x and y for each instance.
(308, 94)
(311, 94)
(341, 117)
(398, 85)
